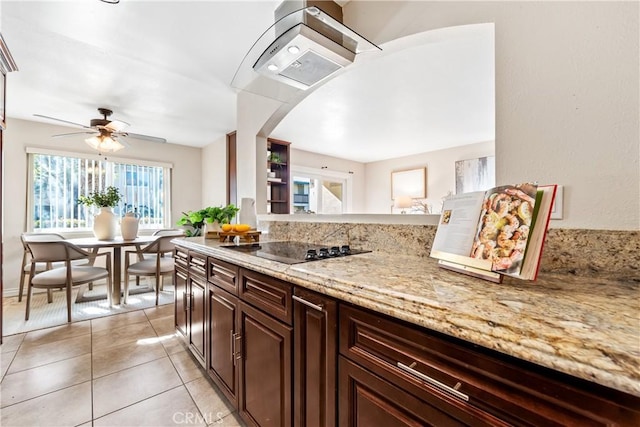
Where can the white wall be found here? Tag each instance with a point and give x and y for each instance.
(334, 164)
(567, 89)
(440, 174)
(186, 179)
(214, 173)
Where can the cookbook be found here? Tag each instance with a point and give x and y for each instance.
(496, 232)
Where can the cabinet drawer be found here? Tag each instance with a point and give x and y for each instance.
(198, 264)
(520, 393)
(367, 400)
(268, 294)
(181, 258)
(223, 274)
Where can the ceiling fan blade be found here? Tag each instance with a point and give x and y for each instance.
(144, 137)
(63, 121)
(74, 133)
(116, 125)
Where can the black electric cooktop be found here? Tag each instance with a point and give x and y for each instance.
(294, 252)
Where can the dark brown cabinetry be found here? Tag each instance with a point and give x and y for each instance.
(278, 187)
(190, 299)
(470, 385)
(265, 369)
(288, 356)
(315, 318)
(180, 280)
(250, 338)
(197, 302)
(223, 340)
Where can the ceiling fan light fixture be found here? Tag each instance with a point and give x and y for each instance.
(104, 143)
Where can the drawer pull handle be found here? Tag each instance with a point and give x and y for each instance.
(451, 390)
(307, 303)
(233, 347)
(237, 350)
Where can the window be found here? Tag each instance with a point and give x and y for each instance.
(57, 179)
(320, 191)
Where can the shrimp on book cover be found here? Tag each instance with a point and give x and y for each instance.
(504, 225)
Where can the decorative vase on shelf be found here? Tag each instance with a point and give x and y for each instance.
(247, 214)
(129, 226)
(105, 224)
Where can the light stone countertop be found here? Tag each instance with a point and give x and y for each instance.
(588, 328)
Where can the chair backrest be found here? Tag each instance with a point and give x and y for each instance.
(169, 232)
(39, 237)
(54, 250)
(162, 244)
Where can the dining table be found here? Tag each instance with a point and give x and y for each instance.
(116, 244)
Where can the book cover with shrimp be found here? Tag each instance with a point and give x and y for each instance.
(504, 226)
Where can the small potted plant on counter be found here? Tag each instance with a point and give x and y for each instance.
(214, 215)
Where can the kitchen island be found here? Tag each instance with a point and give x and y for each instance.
(585, 328)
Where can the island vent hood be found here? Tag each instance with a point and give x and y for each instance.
(306, 44)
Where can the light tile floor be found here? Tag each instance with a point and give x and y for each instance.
(124, 370)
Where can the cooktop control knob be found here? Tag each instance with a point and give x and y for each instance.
(345, 250)
(324, 253)
(335, 251)
(311, 254)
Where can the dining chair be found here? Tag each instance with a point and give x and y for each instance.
(40, 267)
(152, 261)
(67, 276)
(175, 232)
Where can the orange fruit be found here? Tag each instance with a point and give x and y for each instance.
(226, 227)
(242, 227)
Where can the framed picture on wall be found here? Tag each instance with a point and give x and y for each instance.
(475, 174)
(410, 183)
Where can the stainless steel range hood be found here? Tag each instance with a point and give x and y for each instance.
(301, 49)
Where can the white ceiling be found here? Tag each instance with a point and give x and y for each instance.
(166, 68)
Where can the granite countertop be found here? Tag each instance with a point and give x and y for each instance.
(585, 327)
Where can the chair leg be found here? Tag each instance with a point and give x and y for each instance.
(126, 287)
(90, 286)
(69, 302)
(22, 277)
(110, 290)
(158, 278)
(137, 280)
(49, 296)
(28, 309)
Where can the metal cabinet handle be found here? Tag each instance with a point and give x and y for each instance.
(233, 346)
(451, 390)
(307, 303)
(237, 354)
(185, 301)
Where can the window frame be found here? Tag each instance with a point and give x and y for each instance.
(31, 151)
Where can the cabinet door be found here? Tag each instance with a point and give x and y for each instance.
(197, 317)
(367, 400)
(315, 359)
(223, 339)
(180, 300)
(265, 369)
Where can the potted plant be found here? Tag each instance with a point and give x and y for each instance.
(196, 220)
(105, 222)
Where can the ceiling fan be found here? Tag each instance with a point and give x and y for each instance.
(105, 132)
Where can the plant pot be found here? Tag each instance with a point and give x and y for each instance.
(212, 227)
(105, 224)
(129, 226)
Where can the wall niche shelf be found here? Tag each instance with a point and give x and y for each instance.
(278, 186)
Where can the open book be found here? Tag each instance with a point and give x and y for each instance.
(501, 230)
